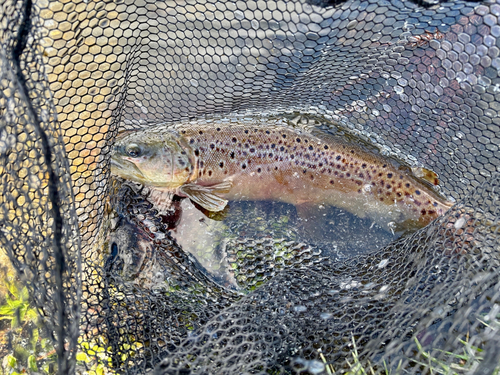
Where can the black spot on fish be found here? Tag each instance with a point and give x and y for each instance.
(234, 140)
(423, 212)
(243, 166)
(212, 146)
(218, 129)
(283, 135)
(259, 170)
(271, 155)
(252, 150)
(209, 173)
(435, 204)
(385, 165)
(221, 164)
(325, 147)
(200, 132)
(320, 165)
(348, 174)
(304, 171)
(298, 140)
(310, 147)
(273, 145)
(275, 168)
(338, 157)
(232, 155)
(268, 132)
(407, 185)
(389, 175)
(361, 175)
(292, 156)
(183, 132)
(400, 176)
(246, 131)
(191, 141)
(282, 148)
(197, 152)
(417, 192)
(331, 182)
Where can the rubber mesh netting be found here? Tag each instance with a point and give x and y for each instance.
(418, 80)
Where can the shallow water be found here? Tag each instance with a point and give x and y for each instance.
(333, 232)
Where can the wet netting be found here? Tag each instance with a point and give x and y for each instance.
(115, 293)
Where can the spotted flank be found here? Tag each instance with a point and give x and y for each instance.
(212, 164)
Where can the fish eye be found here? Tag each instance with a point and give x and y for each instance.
(133, 150)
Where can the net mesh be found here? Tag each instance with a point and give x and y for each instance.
(418, 80)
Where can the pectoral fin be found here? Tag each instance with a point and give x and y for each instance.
(206, 196)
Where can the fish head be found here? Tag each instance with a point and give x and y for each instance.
(158, 159)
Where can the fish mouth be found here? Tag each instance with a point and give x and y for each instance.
(126, 169)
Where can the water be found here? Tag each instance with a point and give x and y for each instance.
(219, 244)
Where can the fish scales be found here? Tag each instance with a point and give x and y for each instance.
(284, 164)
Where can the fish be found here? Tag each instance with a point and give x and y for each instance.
(213, 163)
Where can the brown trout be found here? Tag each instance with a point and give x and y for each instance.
(214, 163)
